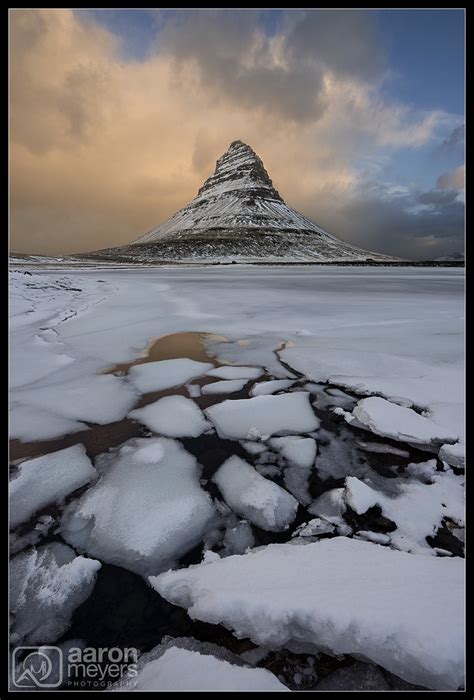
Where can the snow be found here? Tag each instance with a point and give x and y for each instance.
(194, 390)
(401, 335)
(28, 423)
(46, 480)
(172, 416)
(253, 497)
(227, 386)
(181, 669)
(113, 398)
(453, 454)
(166, 374)
(46, 585)
(270, 387)
(359, 496)
(399, 423)
(267, 415)
(299, 452)
(417, 508)
(146, 511)
(186, 664)
(347, 597)
(235, 372)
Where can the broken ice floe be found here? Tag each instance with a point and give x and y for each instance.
(187, 664)
(172, 416)
(166, 374)
(263, 415)
(253, 497)
(235, 372)
(348, 596)
(398, 422)
(97, 399)
(226, 386)
(146, 511)
(453, 454)
(46, 585)
(46, 480)
(270, 387)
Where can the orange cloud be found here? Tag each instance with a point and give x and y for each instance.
(103, 150)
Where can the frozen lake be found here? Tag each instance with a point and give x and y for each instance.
(164, 418)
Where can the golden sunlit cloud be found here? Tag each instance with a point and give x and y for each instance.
(103, 149)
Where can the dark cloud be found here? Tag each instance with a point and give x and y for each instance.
(344, 41)
(242, 63)
(400, 226)
(438, 197)
(454, 142)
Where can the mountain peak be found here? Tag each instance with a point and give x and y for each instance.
(239, 170)
(238, 214)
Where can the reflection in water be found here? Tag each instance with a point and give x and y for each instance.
(169, 347)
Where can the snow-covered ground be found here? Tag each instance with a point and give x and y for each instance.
(377, 353)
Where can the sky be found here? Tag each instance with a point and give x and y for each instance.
(118, 116)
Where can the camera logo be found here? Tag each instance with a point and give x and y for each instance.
(37, 667)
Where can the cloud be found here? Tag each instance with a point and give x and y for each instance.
(453, 180)
(454, 142)
(103, 149)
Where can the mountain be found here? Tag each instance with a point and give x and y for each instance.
(238, 215)
(453, 257)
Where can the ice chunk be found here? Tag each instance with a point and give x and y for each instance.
(381, 448)
(234, 372)
(298, 451)
(359, 496)
(173, 416)
(46, 585)
(28, 423)
(329, 504)
(239, 538)
(253, 448)
(399, 423)
(48, 479)
(423, 470)
(314, 528)
(175, 668)
(97, 399)
(253, 497)
(147, 510)
(453, 454)
(284, 413)
(227, 386)
(165, 374)
(194, 390)
(417, 508)
(264, 388)
(401, 611)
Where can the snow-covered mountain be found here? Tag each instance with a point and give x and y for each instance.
(238, 215)
(453, 257)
